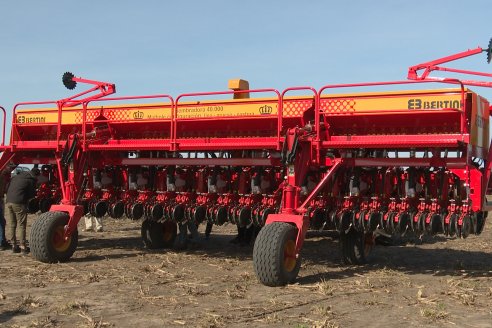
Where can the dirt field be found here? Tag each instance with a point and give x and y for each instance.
(113, 282)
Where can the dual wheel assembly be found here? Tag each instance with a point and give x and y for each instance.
(156, 235)
(275, 260)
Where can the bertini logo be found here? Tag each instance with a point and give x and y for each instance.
(435, 104)
(266, 110)
(138, 115)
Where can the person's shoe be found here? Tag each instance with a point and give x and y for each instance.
(5, 246)
(16, 249)
(25, 250)
(100, 229)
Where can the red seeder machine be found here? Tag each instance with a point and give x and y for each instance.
(397, 161)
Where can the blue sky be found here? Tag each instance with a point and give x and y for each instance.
(173, 47)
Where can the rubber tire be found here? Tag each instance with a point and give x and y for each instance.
(33, 205)
(268, 254)
(466, 227)
(435, 224)
(45, 204)
(153, 234)
(480, 219)
(116, 210)
(42, 233)
(352, 247)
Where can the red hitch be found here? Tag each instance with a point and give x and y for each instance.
(428, 67)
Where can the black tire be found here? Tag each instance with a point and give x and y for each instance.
(453, 225)
(404, 222)
(274, 259)
(156, 235)
(434, 227)
(356, 246)
(136, 211)
(480, 218)
(466, 227)
(374, 220)
(116, 210)
(45, 204)
(33, 205)
(46, 240)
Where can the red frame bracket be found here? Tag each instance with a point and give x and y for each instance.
(104, 89)
(434, 65)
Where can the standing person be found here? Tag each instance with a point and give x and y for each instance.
(4, 245)
(22, 187)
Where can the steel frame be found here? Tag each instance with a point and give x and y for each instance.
(313, 144)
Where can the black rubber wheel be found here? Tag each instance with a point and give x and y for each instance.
(331, 220)
(374, 219)
(389, 224)
(116, 209)
(444, 226)
(404, 221)
(453, 225)
(344, 220)
(156, 212)
(98, 208)
(274, 258)
(136, 211)
(421, 223)
(466, 227)
(33, 205)
(359, 224)
(45, 204)
(178, 213)
(244, 216)
(356, 246)
(263, 216)
(46, 240)
(157, 235)
(220, 215)
(199, 214)
(480, 218)
(435, 225)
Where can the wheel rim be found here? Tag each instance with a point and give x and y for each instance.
(59, 243)
(290, 255)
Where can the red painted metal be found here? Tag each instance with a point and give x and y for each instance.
(175, 144)
(319, 186)
(308, 161)
(147, 97)
(103, 89)
(3, 126)
(315, 105)
(429, 67)
(404, 82)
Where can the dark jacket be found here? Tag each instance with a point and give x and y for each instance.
(22, 187)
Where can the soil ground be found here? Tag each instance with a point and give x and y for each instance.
(112, 281)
